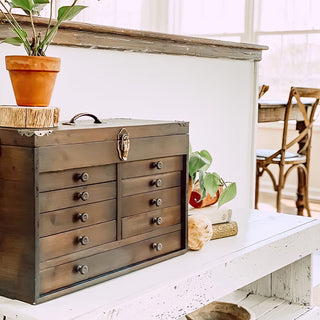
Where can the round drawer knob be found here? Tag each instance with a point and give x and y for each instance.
(157, 183)
(157, 220)
(83, 176)
(83, 216)
(83, 269)
(157, 202)
(83, 240)
(158, 164)
(157, 246)
(84, 196)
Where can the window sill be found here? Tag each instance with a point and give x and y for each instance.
(102, 37)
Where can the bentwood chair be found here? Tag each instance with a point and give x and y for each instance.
(282, 157)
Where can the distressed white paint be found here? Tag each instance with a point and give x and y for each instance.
(292, 283)
(217, 96)
(266, 242)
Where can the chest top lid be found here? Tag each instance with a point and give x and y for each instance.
(83, 131)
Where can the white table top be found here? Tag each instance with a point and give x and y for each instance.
(266, 242)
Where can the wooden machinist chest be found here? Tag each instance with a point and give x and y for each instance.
(87, 202)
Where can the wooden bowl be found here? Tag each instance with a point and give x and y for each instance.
(221, 311)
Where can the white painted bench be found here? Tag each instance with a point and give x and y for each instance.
(275, 248)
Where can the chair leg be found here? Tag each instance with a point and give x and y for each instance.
(301, 192)
(279, 195)
(256, 198)
(280, 186)
(306, 194)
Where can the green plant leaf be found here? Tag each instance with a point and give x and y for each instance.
(212, 183)
(27, 5)
(15, 41)
(39, 5)
(227, 194)
(68, 13)
(206, 155)
(196, 162)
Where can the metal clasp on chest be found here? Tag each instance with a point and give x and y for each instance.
(123, 144)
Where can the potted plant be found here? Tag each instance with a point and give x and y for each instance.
(33, 76)
(206, 188)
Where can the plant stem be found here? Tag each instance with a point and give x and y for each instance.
(46, 42)
(34, 49)
(50, 19)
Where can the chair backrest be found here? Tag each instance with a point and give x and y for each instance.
(307, 110)
(262, 90)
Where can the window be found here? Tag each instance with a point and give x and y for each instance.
(291, 29)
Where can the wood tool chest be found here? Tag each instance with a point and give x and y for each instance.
(86, 202)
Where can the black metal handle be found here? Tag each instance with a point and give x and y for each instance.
(157, 246)
(83, 240)
(77, 116)
(84, 196)
(83, 216)
(83, 269)
(156, 182)
(84, 176)
(157, 220)
(157, 202)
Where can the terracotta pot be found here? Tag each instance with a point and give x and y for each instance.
(33, 79)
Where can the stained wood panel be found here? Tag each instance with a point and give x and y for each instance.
(66, 274)
(73, 177)
(63, 157)
(71, 241)
(145, 202)
(147, 222)
(58, 199)
(72, 218)
(149, 167)
(150, 183)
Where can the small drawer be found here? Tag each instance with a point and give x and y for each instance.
(76, 177)
(150, 167)
(150, 201)
(76, 240)
(59, 199)
(150, 221)
(76, 217)
(102, 263)
(150, 183)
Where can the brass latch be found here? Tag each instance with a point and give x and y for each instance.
(123, 144)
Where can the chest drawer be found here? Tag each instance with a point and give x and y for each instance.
(150, 201)
(63, 243)
(64, 198)
(150, 221)
(150, 183)
(61, 157)
(82, 269)
(76, 217)
(76, 177)
(151, 167)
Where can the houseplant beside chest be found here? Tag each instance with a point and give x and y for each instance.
(87, 202)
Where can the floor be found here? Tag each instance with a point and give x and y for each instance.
(267, 202)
